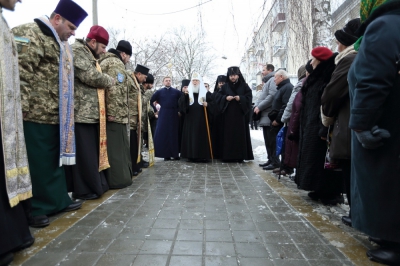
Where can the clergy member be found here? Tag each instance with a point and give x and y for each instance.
(195, 142)
(166, 136)
(216, 119)
(234, 99)
(119, 175)
(86, 179)
(184, 89)
(136, 116)
(15, 181)
(47, 96)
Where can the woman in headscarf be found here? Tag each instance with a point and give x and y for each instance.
(374, 82)
(325, 185)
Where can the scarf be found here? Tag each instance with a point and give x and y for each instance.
(66, 99)
(16, 171)
(139, 122)
(366, 9)
(103, 156)
(344, 53)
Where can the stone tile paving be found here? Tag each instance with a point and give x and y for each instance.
(180, 213)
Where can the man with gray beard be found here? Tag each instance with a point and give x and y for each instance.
(195, 142)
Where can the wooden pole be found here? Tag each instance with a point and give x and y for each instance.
(208, 132)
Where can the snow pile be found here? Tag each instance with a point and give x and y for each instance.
(260, 153)
(257, 135)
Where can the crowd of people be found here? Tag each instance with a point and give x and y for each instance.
(342, 131)
(74, 118)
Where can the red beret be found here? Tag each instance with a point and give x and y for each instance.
(99, 34)
(321, 53)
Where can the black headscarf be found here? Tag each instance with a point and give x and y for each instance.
(220, 78)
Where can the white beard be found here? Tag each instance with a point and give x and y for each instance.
(196, 88)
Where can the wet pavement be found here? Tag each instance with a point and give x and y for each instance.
(181, 213)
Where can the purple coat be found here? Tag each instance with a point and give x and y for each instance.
(293, 133)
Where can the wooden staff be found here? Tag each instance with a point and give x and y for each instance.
(208, 132)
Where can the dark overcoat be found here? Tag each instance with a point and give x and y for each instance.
(310, 174)
(375, 95)
(336, 103)
(166, 139)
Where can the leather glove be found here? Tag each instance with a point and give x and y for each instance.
(372, 139)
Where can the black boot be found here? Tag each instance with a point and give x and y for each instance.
(385, 255)
(6, 259)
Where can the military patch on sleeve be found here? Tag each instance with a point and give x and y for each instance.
(22, 44)
(120, 77)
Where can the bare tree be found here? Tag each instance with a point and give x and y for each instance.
(191, 53)
(178, 54)
(321, 22)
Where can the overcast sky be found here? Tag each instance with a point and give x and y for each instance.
(227, 23)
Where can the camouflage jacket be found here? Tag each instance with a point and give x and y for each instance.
(117, 95)
(145, 108)
(39, 63)
(87, 80)
(133, 103)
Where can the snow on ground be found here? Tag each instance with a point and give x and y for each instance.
(257, 135)
(260, 153)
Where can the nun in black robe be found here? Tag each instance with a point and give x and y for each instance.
(234, 100)
(185, 84)
(216, 126)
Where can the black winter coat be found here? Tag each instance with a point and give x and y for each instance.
(311, 174)
(374, 82)
(281, 98)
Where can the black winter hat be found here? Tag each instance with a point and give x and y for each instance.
(348, 36)
(125, 46)
(149, 79)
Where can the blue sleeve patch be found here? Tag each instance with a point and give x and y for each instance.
(120, 77)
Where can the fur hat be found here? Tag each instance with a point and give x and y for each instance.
(348, 36)
(125, 46)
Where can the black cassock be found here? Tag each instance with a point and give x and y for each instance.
(236, 142)
(194, 143)
(216, 127)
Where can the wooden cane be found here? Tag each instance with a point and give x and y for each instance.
(208, 132)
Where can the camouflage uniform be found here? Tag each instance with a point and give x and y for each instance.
(119, 175)
(133, 103)
(145, 108)
(117, 95)
(39, 68)
(87, 80)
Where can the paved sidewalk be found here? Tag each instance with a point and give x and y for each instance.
(180, 213)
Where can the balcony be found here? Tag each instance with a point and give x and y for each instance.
(278, 49)
(278, 23)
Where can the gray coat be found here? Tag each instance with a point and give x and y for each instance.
(288, 110)
(264, 102)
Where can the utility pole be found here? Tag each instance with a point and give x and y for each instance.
(95, 17)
